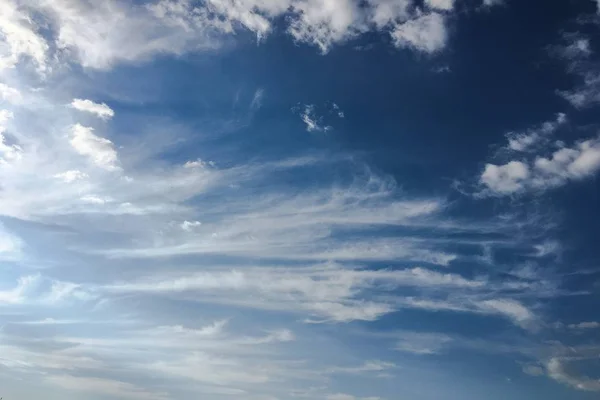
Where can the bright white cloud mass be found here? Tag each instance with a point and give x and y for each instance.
(271, 200)
(101, 110)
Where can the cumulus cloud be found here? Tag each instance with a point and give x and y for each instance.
(101, 110)
(101, 151)
(505, 179)
(93, 34)
(533, 138)
(426, 33)
(71, 176)
(10, 94)
(578, 162)
(21, 38)
(445, 5)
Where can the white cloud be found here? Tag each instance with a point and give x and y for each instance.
(533, 370)
(9, 153)
(312, 121)
(10, 94)
(445, 5)
(581, 161)
(190, 225)
(10, 245)
(368, 366)
(101, 110)
(331, 293)
(575, 51)
(199, 163)
(387, 12)
(511, 309)
(490, 3)
(20, 293)
(532, 138)
(100, 150)
(534, 172)
(257, 99)
(505, 179)
(20, 37)
(338, 110)
(568, 163)
(324, 23)
(426, 33)
(556, 370)
(71, 176)
(100, 35)
(585, 325)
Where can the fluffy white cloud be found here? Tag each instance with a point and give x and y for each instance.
(426, 33)
(505, 179)
(565, 164)
(388, 12)
(532, 138)
(9, 94)
(578, 162)
(445, 5)
(100, 35)
(100, 150)
(101, 110)
(71, 176)
(20, 37)
(324, 23)
(190, 225)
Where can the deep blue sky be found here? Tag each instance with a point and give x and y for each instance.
(313, 199)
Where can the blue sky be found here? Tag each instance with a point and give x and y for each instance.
(299, 199)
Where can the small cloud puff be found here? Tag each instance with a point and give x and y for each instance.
(100, 110)
(100, 150)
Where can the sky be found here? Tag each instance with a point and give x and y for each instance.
(299, 199)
